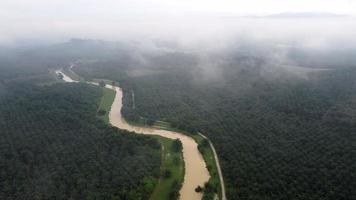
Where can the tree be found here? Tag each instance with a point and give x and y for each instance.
(198, 189)
(174, 193)
(177, 145)
(167, 173)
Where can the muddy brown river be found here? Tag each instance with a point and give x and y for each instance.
(196, 172)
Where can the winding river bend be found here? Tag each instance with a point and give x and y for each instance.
(196, 172)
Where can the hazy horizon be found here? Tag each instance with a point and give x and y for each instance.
(41, 22)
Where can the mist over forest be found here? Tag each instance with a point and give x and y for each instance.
(272, 92)
(314, 42)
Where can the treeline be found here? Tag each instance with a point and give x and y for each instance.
(276, 140)
(52, 145)
(278, 136)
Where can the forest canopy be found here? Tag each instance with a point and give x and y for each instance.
(52, 145)
(280, 132)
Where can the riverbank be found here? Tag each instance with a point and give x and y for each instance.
(105, 104)
(172, 164)
(171, 172)
(216, 182)
(196, 173)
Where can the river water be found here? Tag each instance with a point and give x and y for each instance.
(196, 172)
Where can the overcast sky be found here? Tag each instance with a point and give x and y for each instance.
(96, 8)
(31, 19)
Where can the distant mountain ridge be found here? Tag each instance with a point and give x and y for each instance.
(305, 15)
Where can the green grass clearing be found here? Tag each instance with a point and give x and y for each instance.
(172, 161)
(205, 150)
(105, 104)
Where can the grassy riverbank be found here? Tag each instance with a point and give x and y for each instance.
(172, 171)
(105, 104)
(213, 186)
(172, 163)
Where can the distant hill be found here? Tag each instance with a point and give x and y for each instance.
(78, 48)
(305, 15)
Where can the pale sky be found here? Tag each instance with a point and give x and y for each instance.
(41, 9)
(103, 18)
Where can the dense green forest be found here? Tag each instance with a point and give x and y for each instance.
(53, 146)
(279, 134)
